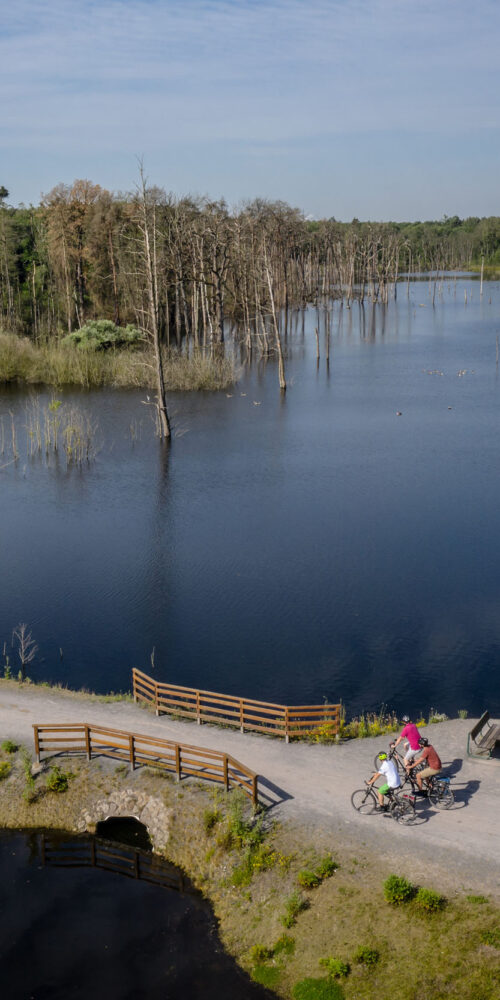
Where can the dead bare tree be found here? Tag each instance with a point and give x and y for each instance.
(146, 223)
(26, 646)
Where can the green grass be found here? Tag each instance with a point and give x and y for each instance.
(317, 989)
(266, 975)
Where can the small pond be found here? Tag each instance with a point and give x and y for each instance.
(87, 917)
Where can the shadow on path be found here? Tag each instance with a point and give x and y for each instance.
(271, 795)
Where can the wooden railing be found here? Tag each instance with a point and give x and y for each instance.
(183, 760)
(229, 710)
(93, 852)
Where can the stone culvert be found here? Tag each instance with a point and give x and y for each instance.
(143, 807)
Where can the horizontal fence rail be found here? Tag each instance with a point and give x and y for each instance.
(183, 760)
(229, 710)
(113, 857)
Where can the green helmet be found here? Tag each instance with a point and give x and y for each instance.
(382, 755)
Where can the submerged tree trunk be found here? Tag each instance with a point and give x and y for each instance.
(153, 326)
(281, 363)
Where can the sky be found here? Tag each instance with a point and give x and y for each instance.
(379, 109)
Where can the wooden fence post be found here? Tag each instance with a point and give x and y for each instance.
(131, 751)
(242, 717)
(226, 773)
(157, 708)
(178, 761)
(87, 743)
(134, 685)
(287, 731)
(255, 798)
(198, 708)
(37, 743)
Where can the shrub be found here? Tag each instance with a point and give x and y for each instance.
(398, 889)
(259, 953)
(366, 956)
(326, 733)
(266, 975)
(5, 769)
(326, 867)
(317, 989)
(9, 747)
(256, 859)
(429, 901)
(225, 839)
(29, 793)
(308, 879)
(285, 945)
(57, 780)
(370, 724)
(336, 968)
(477, 899)
(436, 716)
(101, 334)
(294, 905)
(491, 937)
(210, 819)
(462, 713)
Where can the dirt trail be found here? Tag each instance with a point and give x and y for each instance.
(313, 784)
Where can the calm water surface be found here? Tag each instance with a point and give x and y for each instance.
(68, 933)
(291, 549)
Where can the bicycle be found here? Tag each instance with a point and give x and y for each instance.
(439, 792)
(399, 807)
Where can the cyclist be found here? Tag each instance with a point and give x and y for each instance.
(430, 757)
(410, 733)
(388, 770)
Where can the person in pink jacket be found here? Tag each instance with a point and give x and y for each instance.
(410, 733)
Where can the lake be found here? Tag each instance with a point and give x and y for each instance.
(293, 549)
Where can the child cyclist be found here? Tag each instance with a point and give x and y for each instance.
(388, 770)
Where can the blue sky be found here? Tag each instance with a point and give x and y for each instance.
(371, 108)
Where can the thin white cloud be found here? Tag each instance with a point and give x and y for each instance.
(151, 74)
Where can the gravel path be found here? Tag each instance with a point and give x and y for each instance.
(312, 783)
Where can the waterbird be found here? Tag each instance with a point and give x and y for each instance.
(398, 413)
(255, 403)
(229, 395)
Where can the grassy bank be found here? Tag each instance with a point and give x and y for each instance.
(22, 361)
(306, 916)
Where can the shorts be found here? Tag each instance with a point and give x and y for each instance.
(410, 754)
(386, 788)
(428, 772)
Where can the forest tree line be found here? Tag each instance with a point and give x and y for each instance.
(187, 266)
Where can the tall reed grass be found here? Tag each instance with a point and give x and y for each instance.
(51, 364)
(51, 429)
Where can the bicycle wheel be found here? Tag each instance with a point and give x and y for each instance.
(441, 795)
(364, 801)
(403, 812)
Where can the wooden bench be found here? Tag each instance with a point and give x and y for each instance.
(483, 743)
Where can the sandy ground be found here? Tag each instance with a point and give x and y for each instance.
(312, 784)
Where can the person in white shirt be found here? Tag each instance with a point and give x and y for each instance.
(388, 770)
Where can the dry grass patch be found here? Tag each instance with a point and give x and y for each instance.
(53, 364)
